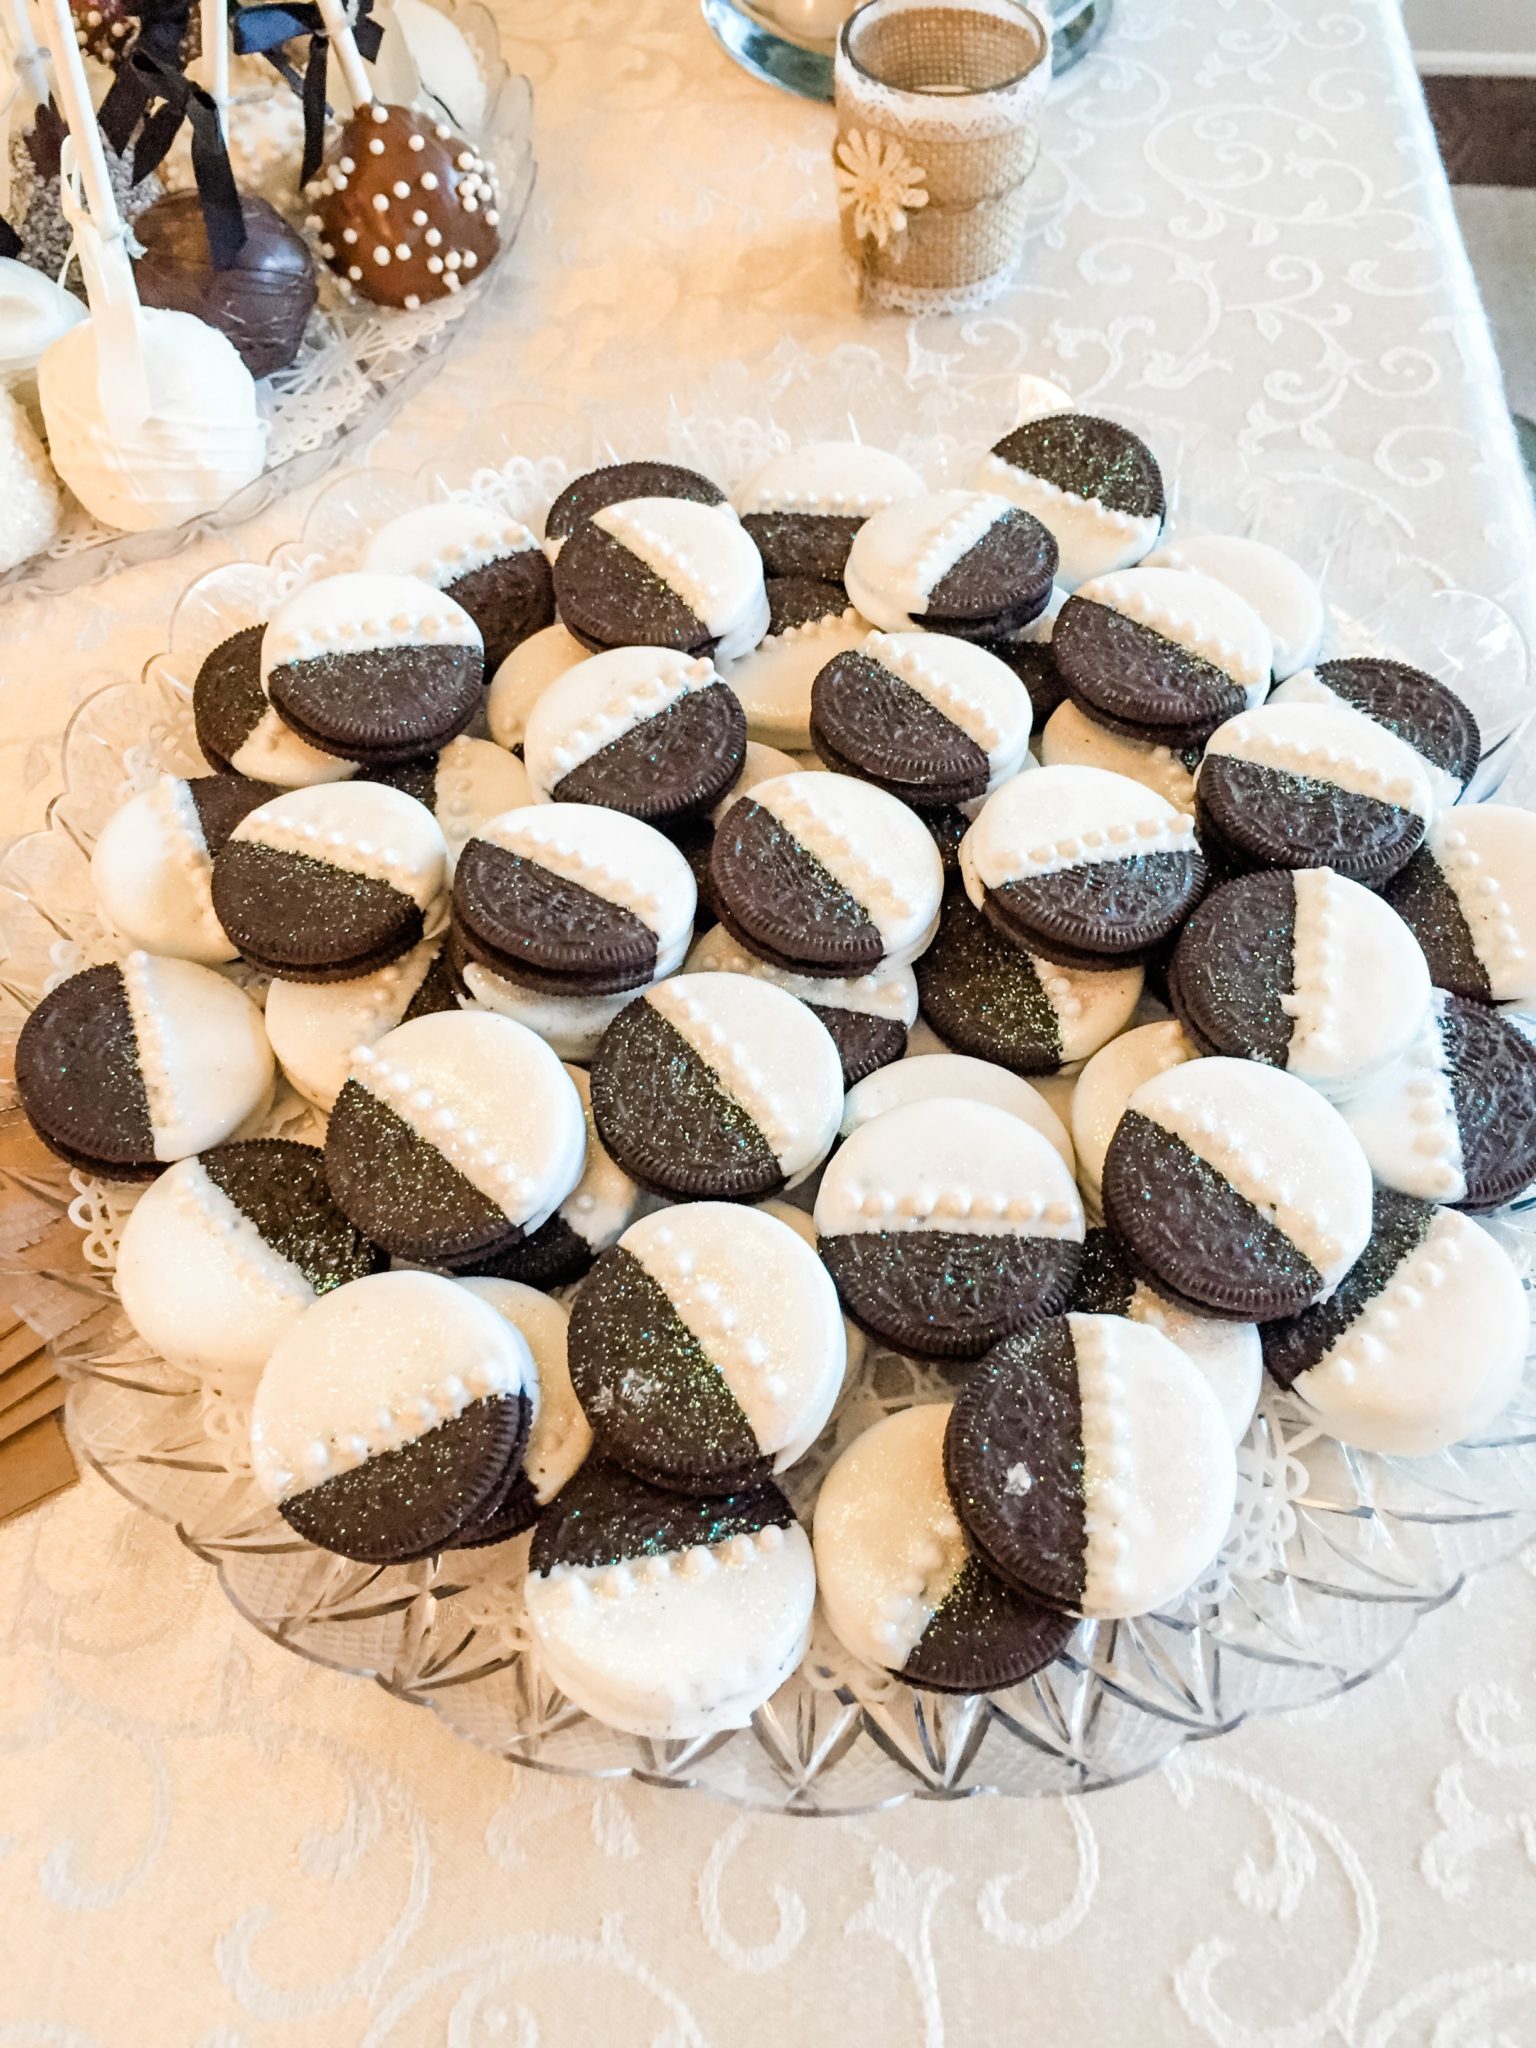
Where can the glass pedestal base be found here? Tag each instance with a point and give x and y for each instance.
(787, 42)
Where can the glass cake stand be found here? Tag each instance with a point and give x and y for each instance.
(1333, 1554)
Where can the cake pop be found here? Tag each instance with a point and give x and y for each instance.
(405, 210)
(151, 415)
(36, 206)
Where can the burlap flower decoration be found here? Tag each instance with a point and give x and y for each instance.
(879, 182)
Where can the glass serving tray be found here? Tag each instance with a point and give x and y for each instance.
(358, 362)
(1333, 1553)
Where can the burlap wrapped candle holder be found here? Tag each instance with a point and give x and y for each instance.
(936, 138)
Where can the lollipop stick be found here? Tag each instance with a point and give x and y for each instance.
(31, 65)
(214, 16)
(75, 97)
(353, 69)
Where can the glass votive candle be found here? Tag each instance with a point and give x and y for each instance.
(937, 102)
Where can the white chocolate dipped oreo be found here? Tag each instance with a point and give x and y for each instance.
(946, 1224)
(1106, 1085)
(826, 875)
(486, 561)
(1071, 739)
(801, 1223)
(868, 1015)
(808, 623)
(224, 1251)
(523, 678)
(152, 867)
(951, 1076)
(455, 1135)
(1423, 1344)
(962, 561)
(388, 1414)
(1312, 785)
(707, 1347)
(1237, 1189)
(1095, 485)
(643, 729)
(1092, 1466)
(571, 899)
(717, 1087)
(668, 1616)
(319, 884)
(900, 1586)
(931, 719)
(1305, 970)
(315, 1027)
(1415, 707)
(571, 1026)
(1269, 582)
(237, 728)
(663, 572)
(1078, 864)
(1469, 897)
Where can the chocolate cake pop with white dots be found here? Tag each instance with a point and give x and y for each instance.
(405, 211)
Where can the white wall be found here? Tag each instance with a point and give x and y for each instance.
(1473, 35)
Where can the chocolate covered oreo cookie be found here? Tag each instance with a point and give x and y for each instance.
(454, 1136)
(490, 564)
(1236, 1189)
(868, 1016)
(825, 875)
(947, 1224)
(569, 899)
(326, 883)
(1072, 739)
(668, 1616)
(558, 1436)
(238, 730)
(597, 488)
(224, 1252)
(1092, 1466)
(1304, 970)
(707, 1348)
(1453, 1120)
(961, 562)
(1162, 654)
(808, 624)
(987, 996)
(933, 720)
(1106, 1085)
(372, 668)
(523, 678)
(804, 508)
(717, 1087)
(389, 1414)
(1082, 866)
(953, 1076)
(1422, 1344)
(662, 572)
(1311, 786)
(1093, 483)
(152, 867)
(900, 1586)
(123, 1069)
(1420, 711)
(640, 729)
(1469, 898)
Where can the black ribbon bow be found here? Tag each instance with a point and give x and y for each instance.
(262, 30)
(155, 100)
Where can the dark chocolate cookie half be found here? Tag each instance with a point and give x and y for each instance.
(596, 488)
(227, 697)
(998, 585)
(80, 1080)
(485, 561)
(662, 572)
(1152, 653)
(1094, 483)
(1422, 712)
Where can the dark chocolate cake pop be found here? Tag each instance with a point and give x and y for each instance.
(262, 301)
(406, 211)
(104, 29)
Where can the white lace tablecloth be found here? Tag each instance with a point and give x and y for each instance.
(206, 1841)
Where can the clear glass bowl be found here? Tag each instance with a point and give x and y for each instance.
(1333, 1554)
(358, 362)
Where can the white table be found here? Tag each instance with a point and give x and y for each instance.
(204, 1840)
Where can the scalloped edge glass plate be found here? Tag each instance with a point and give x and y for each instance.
(1334, 1554)
(358, 363)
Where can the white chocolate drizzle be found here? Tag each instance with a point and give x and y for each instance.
(703, 1305)
(948, 1206)
(1319, 972)
(963, 529)
(1494, 929)
(188, 847)
(1135, 595)
(1106, 1465)
(1368, 1340)
(258, 1264)
(1121, 841)
(137, 970)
